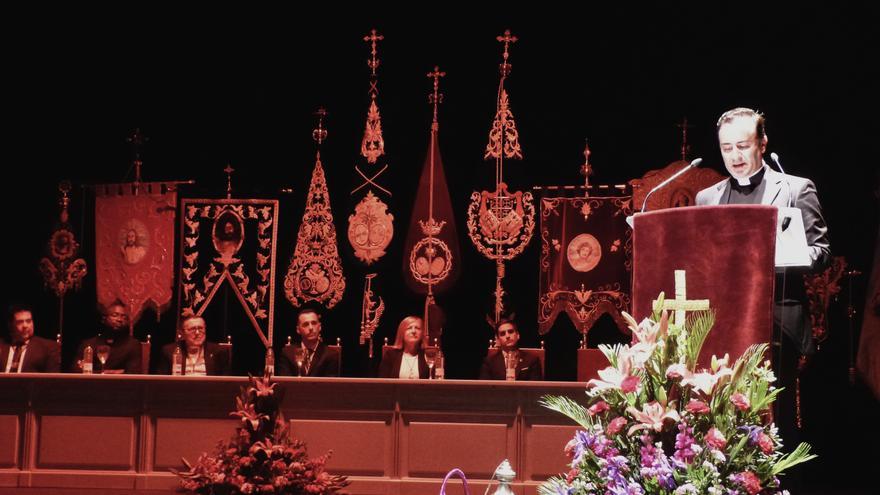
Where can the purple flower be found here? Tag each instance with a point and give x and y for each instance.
(685, 450)
(754, 433)
(655, 464)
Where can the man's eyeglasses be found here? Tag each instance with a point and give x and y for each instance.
(192, 330)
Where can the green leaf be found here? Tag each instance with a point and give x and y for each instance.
(799, 455)
(567, 407)
(699, 325)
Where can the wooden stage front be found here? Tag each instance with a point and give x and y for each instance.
(65, 433)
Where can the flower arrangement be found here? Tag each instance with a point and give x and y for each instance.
(655, 424)
(261, 458)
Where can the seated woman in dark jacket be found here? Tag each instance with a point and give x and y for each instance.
(407, 358)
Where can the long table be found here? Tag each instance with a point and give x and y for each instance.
(65, 433)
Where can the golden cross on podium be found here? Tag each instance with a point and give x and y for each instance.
(680, 304)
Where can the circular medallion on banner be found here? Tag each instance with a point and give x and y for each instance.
(313, 280)
(430, 260)
(134, 241)
(370, 229)
(584, 253)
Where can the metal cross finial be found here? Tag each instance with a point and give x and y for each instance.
(507, 39)
(436, 97)
(64, 201)
(684, 126)
(320, 134)
(137, 140)
(372, 38)
(586, 168)
(229, 171)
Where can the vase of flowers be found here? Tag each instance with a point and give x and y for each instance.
(261, 458)
(655, 423)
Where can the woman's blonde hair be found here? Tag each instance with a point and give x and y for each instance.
(401, 331)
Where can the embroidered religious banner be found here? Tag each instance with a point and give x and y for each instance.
(230, 242)
(62, 269)
(315, 271)
(134, 245)
(432, 262)
(500, 223)
(586, 260)
(371, 227)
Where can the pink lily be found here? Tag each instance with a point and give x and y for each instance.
(651, 417)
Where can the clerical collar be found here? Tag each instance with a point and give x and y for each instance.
(748, 184)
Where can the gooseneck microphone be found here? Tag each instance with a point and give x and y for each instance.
(775, 157)
(693, 164)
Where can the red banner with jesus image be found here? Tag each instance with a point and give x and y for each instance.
(134, 245)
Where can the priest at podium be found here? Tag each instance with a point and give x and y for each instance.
(743, 141)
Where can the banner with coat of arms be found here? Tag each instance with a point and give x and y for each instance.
(134, 245)
(586, 260)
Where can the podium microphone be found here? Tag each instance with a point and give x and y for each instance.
(775, 158)
(693, 164)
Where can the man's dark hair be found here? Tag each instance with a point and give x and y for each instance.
(729, 115)
(505, 321)
(16, 308)
(105, 310)
(306, 311)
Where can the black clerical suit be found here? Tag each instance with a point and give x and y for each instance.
(769, 187)
(125, 353)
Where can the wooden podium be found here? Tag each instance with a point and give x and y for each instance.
(727, 253)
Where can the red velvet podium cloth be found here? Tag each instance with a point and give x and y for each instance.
(728, 254)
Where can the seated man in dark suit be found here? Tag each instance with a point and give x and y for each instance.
(198, 357)
(124, 354)
(315, 357)
(510, 363)
(26, 353)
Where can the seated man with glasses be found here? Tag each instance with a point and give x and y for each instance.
(198, 357)
(120, 352)
(511, 363)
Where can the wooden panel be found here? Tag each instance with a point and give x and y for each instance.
(188, 438)
(432, 449)
(359, 447)
(9, 440)
(543, 456)
(589, 362)
(86, 442)
(393, 437)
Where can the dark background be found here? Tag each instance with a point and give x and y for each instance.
(241, 88)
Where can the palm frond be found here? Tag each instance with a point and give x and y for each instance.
(569, 408)
(699, 325)
(799, 455)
